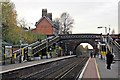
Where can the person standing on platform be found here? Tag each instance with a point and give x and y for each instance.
(109, 59)
(94, 55)
(91, 54)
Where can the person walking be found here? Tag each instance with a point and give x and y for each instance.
(109, 59)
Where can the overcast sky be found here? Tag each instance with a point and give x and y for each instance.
(87, 14)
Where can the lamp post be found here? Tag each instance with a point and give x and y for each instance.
(109, 29)
(103, 38)
(47, 46)
(20, 53)
(61, 45)
(20, 60)
(103, 27)
(106, 40)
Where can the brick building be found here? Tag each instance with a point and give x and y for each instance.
(45, 25)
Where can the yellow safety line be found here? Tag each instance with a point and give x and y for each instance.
(97, 69)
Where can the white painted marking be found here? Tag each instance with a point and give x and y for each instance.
(81, 75)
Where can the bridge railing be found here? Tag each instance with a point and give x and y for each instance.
(114, 42)
(20, 50)
(80, 36)
(48, 42)
(52, 41)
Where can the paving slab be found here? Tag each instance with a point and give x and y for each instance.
(106, 73)
(90, 71)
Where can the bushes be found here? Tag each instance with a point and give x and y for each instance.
(30, 37)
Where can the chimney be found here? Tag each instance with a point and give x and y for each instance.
(49, 15)
(44, 12)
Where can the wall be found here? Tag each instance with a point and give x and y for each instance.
(44, 27)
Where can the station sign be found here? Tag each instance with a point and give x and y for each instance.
(29, 47)
(8, 51)
(24, 44)
(8, 46)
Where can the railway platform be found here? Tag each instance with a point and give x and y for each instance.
(95, 69)
(7, 68)
(106, 73)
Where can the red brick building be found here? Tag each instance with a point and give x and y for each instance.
(45, 25)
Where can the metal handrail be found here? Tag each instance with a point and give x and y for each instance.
(114, 42)
(51, 39)
(117, 45)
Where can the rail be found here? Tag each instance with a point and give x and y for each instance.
(44, 44)
(35, 44)
(114, 42)
(37, 69)
(59, 70)
(73, 72)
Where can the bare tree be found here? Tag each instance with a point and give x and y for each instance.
(57, 24)
(66, 23)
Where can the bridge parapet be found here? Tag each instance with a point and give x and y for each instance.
(81, 36)
(110, 39)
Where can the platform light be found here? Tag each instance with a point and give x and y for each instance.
(100, 27)
(103, 27)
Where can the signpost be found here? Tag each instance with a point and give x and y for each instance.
(8, 53)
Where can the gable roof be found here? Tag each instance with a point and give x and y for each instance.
(51, 22)
(46, 19)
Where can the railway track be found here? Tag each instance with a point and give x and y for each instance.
(65, 70)
(48, 69)
(71, 71)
